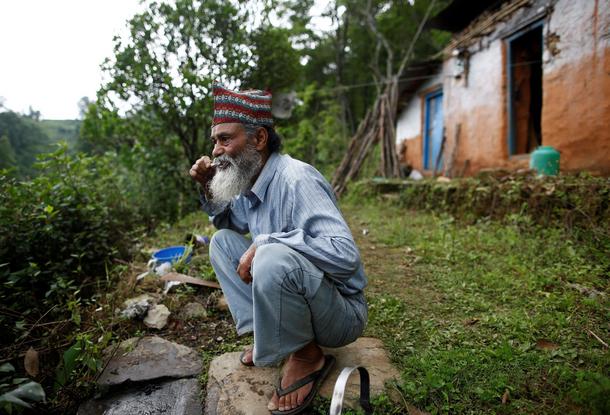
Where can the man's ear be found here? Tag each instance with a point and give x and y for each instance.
(262, 136)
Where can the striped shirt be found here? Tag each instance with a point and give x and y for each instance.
(292, 203)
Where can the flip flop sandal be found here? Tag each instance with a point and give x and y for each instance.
(242, 361)
(316, 377)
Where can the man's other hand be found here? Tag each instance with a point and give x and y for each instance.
(202, 171)
(245, 264)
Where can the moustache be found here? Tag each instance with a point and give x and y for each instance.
(224, 161)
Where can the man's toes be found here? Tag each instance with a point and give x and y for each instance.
(282, 403)
(273, 403)
(301, 397)
(293, 400)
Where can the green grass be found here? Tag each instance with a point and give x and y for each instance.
(464, 311)
(471, 313)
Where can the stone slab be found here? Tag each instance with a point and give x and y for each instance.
(174, 397)
(239, 390)
(149, 358)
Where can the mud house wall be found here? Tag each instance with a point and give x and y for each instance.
(476, 102)
(576, 85)
(576, 93)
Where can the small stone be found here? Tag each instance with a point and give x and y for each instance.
(222, 304)
(148, 358)
(137, 307)
(157, 317)
(219, 339)
(194, 311)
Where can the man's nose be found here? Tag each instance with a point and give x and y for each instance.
(218, 150)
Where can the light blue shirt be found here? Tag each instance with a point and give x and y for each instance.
(291, 203)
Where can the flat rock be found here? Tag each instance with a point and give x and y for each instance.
(239, 390)
(174, 397)
(148, 358)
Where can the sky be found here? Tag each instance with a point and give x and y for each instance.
(51, 51)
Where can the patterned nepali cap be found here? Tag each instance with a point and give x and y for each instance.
(246, 107)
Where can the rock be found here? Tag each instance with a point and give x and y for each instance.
(194, 311)
(148, 358)
(175, 397)
(236, 389)
(138, 306)
(222, 304)
(239, 390)
(157, 317)
(369, 353)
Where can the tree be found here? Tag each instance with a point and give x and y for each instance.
(166, 66)
(7, 154)
(32, 114)
(83, 106)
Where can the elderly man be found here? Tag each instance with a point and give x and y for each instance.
(298, 283)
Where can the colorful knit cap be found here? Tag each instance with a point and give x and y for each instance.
(246, 107)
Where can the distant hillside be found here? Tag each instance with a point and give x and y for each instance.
(58, 130)
(23, 138)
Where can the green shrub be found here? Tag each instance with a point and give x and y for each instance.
(60, 228)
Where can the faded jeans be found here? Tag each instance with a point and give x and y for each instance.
(289, 303)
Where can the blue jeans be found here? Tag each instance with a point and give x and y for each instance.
(289, 303)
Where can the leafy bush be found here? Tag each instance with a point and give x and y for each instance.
(59, 228)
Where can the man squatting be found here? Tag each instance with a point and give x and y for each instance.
(298, 283)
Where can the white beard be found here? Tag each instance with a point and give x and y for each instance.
(236, 178)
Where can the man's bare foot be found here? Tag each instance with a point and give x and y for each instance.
(300, 364)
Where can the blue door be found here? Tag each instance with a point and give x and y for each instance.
(433, 133)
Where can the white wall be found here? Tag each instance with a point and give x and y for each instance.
(409, 121)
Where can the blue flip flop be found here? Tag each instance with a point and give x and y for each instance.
(316, 377)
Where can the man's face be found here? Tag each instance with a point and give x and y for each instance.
(238, 162)
(229, 139)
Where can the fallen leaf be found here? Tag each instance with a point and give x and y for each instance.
(543, 344)
(30, 362)
(505, 397)
(471, 322)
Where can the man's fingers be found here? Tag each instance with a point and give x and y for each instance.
(201, 171)
(244, 273)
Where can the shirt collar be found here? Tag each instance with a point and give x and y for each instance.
(257, 194)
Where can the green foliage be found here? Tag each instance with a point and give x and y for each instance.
(168, 61)
(275, 64)
(59, 228)
(17, 393)
(82, 360)
(315, 133)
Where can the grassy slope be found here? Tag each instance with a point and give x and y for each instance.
(474, 313)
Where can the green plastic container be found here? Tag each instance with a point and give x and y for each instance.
(545, 160)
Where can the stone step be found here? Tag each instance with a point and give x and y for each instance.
(239, 390)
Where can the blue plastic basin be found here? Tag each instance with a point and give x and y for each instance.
(171, 254)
